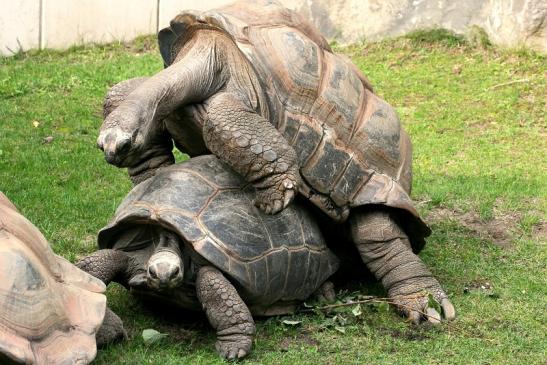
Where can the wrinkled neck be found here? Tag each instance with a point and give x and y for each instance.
(148, 168)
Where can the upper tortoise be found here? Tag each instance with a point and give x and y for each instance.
(259, 87)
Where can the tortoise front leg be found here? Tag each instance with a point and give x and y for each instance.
(107, 265)
(227, 313)
(386, 251)
(253, 148)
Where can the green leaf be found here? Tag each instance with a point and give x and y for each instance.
(381, 306)
(433, 303)
(151, 336)
(291, 323)
(341, 320)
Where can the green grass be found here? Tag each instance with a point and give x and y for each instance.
(479, 150)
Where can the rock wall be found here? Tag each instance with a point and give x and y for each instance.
(26, 24)
(509, 23)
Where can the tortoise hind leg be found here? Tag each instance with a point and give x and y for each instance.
(227, 313)
(386, 251)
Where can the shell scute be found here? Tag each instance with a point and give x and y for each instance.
(341, 97)
(307, 137)
(293, 62)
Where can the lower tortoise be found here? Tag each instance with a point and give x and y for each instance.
(191, 236)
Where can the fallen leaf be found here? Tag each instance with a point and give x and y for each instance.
(291, 323)
(433, 303)
(48, 139)
(356, 310)
(340, 329)
(35, 123)
(457, 69)
(151, 336)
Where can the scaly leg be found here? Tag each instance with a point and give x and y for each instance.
(107, 265)
(253, 148)
(386, 251)
(227, 313)
(111, 330)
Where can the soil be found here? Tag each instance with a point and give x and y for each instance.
(539, 231)
(500, 230)
(301, 339)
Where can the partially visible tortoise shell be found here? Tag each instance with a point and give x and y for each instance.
(49, 309)
(352, 150)
(269, 258)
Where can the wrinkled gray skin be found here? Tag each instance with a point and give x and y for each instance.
(205, 101)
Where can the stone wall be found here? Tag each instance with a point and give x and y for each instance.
(506, 22)
(27, 24)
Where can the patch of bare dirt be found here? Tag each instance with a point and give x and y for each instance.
(539, 231)
(414, 333)
(500, 229)
(482, 286)
(301, 339)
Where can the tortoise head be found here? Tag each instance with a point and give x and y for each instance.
(165, 268)
(129, 136)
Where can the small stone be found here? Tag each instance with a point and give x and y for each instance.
(48, 139)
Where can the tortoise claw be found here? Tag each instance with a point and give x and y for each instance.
(433, 316)
(448, 309)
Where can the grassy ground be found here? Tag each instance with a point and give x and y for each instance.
(477, 118)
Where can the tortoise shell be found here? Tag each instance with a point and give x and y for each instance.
(350, 144)
(49, 309)
(270, 258)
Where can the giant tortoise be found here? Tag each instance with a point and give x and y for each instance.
(259, 87)
(50, 311)
(190, 235)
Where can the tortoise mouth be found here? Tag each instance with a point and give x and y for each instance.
(138, 281)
